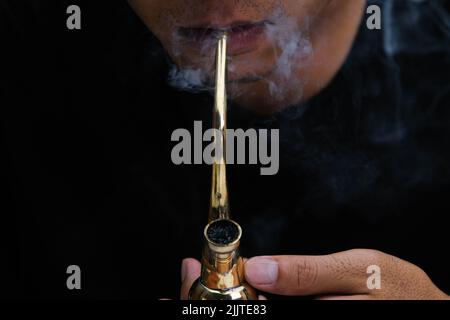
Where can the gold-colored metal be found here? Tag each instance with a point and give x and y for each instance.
(222, 276)
(219, 194)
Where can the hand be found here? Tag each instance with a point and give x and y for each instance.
(340, 276)
(190, 271)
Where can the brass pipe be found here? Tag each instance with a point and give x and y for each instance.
(222, 275)
(219, 194)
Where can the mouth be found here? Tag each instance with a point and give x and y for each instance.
(243, 37)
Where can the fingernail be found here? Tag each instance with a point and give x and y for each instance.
(183, 270)
(261, 270)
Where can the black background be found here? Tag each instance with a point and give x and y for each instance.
(86, 175)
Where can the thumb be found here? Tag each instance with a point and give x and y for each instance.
(190, 271)
(342, 272)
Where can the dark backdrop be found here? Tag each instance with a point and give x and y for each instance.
(86, 176)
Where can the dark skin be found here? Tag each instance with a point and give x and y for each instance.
(338, 276)
(331, 27)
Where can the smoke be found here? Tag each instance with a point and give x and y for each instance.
(292, 49)
(188, 79)
(296, 51)
(418, 26)
(381, 128)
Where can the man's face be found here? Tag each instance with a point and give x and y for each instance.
(280, 52)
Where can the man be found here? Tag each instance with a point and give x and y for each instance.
(260, 33)
(86, 121)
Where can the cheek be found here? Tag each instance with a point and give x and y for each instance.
(155, 15)
(306, 10)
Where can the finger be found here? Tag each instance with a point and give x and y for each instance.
(339, 273)
(346, 297)
(190, 271)
(261, 297)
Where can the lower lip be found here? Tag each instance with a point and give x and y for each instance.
(240, 40)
